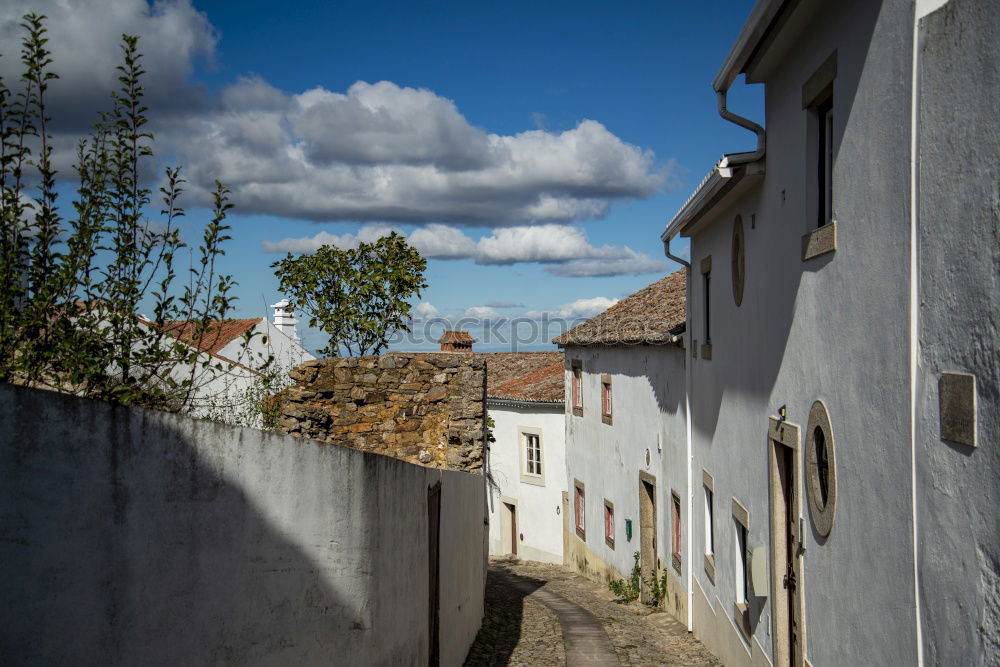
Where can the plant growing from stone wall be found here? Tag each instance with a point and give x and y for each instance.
(627, 590)
(71, 284)
(359, 297)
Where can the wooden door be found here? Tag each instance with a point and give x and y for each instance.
(647, 532)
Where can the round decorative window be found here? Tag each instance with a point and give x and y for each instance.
(821, 469)
(739, 265)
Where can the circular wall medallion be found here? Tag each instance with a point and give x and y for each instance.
(821, 469)
(739, 265)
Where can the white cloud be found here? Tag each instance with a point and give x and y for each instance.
(426, 311)
(565, 248)
(84, 39)
(629, 263)
(481, 313)
(383, 152)
(585, 307)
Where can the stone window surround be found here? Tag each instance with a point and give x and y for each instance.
(741, 610)
(822, 513)
(580, 491)
(609, 507)
(706, 272)
(526, 477)
(576, 387)
(817, 90)
(609, 405)
(709, 487)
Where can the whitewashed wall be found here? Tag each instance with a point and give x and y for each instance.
(539, 508)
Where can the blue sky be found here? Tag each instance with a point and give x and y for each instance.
(621, 88)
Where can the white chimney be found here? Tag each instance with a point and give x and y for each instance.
(284, 319)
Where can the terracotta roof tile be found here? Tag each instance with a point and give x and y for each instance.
(216, 336)
(651, 316)
(525, 376)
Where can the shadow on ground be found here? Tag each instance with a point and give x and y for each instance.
(502, 621)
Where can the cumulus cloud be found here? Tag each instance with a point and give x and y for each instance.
(384, 152)
(564, 248)
(426, 311)
(481, 313)
(579, 309)
(84, 38)
(376, 152)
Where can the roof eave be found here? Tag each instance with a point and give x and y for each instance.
(723, 178)
(523, 403)
(761, 18)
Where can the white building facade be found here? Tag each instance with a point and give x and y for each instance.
(842, 343)
(625, 438)
(526, 466)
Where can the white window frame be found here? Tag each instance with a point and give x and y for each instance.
(522, 445)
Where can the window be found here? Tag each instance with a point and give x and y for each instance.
(676, 507)
(741, 608)
(706, 284)
(741, 564)
(577, 388)
(609, 523)
(709, 525)
(817, 102)
(580, 505)
(532, 456)
(821, 469)
(606, 399)
(738, 261)
(824, 162)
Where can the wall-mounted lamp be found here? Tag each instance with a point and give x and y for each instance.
(782, 413)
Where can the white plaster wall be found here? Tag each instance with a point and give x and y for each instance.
(539, 508)
(959, 325)
(141, 537)
(286, 352)
(648, 414)
(832, 328)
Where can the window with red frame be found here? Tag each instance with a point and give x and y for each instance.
(676, 505)
(609, 524)
(581, 519)
(606, 399)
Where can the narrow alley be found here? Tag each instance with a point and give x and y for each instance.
(539, 614)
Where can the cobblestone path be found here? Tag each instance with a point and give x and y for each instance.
(519, 629)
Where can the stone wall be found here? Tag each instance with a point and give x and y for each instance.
(421, 407)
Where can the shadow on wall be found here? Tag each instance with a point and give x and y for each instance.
(752, 340)
(124, 543)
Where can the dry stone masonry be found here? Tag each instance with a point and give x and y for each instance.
(423, 407)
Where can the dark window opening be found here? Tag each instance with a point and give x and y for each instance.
(822, 465)
(824, 162)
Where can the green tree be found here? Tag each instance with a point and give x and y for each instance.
(71, 288)
(359, 297)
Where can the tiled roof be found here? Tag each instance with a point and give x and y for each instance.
(457, 337)
(533, 377)
(216, 336)
(651, 316)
